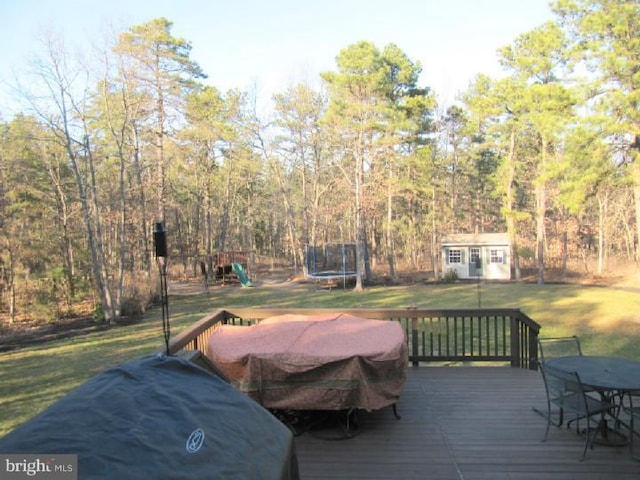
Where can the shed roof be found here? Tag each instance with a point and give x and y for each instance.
(476, 239)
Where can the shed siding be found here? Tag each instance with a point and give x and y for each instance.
(493, 250)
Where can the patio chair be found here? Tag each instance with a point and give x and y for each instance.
(566, 393)
(549, 348)
(631, 406)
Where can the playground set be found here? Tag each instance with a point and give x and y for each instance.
(227, 267)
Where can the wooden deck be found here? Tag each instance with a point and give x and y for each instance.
(462, 423)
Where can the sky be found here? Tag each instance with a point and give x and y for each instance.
(268, 46)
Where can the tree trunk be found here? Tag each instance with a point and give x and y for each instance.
(636, 198)
(63, 214)
(123, 235)
(10, 278)
(224, 217)
(110, 308)
(434, 237)
(97, 266)
(357, 186)
(565, 253)
(602, 217)
(391, 255)
(142, 198)
(160, 138)
(510, 218)
(289, 219)
(541, 208)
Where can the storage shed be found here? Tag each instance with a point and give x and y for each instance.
(477, 255)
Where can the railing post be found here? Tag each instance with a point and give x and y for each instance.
(533, 349)
(414, 341)
(515, 340)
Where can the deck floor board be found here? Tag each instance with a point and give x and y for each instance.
(462, 423)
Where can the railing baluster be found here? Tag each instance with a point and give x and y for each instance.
(431, 336)
(414, 343)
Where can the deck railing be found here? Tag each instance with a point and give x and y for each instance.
(501, 335)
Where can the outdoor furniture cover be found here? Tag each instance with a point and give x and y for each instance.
(318, 362)
(160, 417)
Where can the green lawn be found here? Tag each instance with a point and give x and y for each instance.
(606, 319)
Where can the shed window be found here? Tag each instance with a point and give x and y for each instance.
(496, 256)
(455, 255)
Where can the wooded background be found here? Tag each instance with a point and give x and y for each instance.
(130, 135)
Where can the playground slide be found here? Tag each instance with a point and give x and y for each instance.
(242, 275)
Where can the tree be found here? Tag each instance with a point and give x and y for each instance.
(65, 114)
(161, 66)
(211, 137)
(498, 125)
(115, 111)
(536, 60)
(25, 199)
(352, 113)
(374, 103)
(605, 35)
(588, 180)
(405, 136)
(304, 168)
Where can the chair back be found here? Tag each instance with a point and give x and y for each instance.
(566, 393)
(549, 348)
(560, 384)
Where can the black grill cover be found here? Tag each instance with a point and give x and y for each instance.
(160, 417)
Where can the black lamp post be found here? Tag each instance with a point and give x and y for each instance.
(160, 244)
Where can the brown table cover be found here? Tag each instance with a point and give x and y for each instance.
(319, 362)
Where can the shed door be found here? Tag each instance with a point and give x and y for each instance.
(475, 262)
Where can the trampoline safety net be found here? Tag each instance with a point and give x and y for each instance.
(334, 260)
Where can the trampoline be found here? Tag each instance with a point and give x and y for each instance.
(333, 261)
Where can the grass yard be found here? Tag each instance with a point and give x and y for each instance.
(607, 320)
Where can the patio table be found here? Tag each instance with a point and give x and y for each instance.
(611, 377)
(603, 374)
